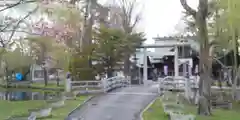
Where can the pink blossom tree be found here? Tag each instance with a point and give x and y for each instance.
(56, 29)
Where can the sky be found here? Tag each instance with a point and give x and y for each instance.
(161, 17)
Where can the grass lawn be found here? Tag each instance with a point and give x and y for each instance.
(155, 112)
(37, 85)
(26, 90)
(9, 108)
(13, 108)
(61, 113)
(50, 85)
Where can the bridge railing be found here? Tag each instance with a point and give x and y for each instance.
(94, 86)
(114, 82)
(86, 86)
(177, 83)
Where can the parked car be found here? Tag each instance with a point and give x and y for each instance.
(52, 77)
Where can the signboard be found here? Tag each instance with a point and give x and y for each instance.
(165, 70)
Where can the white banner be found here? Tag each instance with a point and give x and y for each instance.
(165, 70)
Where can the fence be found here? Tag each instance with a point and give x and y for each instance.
(104, 85)
(177, 83)
(181, 83)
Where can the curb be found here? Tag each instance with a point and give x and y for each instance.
(80, 105)
(147, 107)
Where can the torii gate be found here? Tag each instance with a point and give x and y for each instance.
(176, 65)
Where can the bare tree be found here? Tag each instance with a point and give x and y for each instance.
(11, 25)
(130, 18)
(205, 66)
(10, 5)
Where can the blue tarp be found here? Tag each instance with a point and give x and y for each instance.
(19, 76)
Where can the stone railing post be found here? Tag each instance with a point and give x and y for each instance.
(68, 86)
(159, 86)
(104, 85)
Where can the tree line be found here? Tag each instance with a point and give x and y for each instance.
(67, 34)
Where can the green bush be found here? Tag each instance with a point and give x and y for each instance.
(81, 69)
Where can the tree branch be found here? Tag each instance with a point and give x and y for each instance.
(20, 2)
(129, 19)
(20, 21)
(6, 26)
(135, 22)
(188, 9)
(2, 42)
(21, 31)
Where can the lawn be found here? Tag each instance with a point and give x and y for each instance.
(155, 112)
(37, 86)
(50, 85)
(18, 108)
(9, 108)
(61, 113)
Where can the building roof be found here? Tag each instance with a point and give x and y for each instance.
(174, 38)
(152, 56)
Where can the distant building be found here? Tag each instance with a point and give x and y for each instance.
(115, 18)
(109, 16)
(165, 55)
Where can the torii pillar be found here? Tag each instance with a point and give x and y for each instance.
(145, 66)
(176, 65)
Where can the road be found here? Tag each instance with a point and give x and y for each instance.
(123, 104)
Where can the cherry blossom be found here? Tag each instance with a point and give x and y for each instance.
(59, 31)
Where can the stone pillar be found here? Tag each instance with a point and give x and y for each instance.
(145, 66)
(104, 84)
(187, 88)
(176, 66)
(190, 70)
(184, 69)
(68, 85)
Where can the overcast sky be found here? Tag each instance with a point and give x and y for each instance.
(160, 17)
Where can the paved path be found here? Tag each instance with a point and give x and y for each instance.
(124, 104)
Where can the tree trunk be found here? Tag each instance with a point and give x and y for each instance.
(205, 65)
(204, 106)
(235, 61)
(43, 62)
(110, 72)
(45, 76)
(45, 95)
(126, 64)
(58, 79)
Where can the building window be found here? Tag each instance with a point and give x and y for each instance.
(184, 51)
